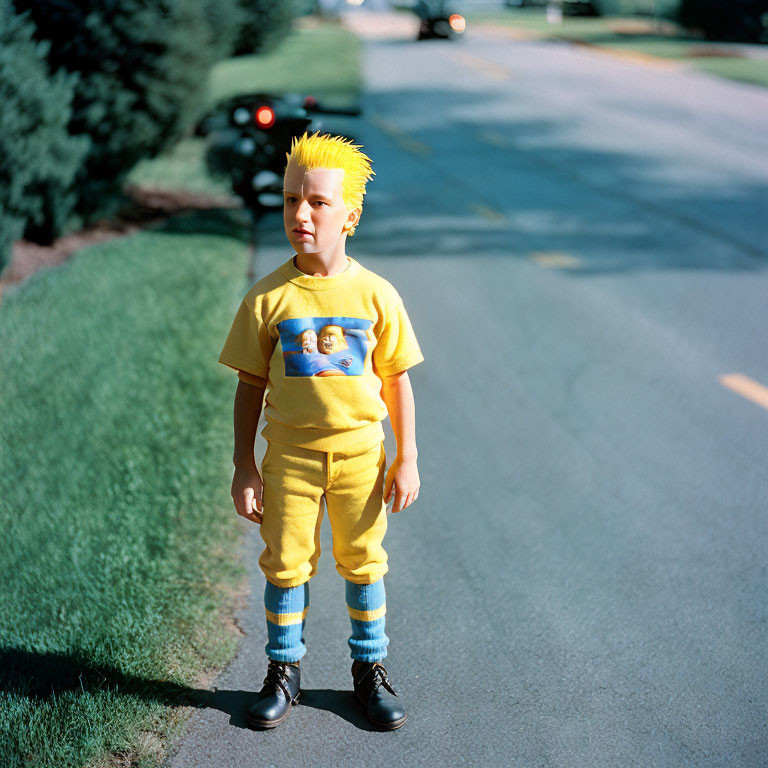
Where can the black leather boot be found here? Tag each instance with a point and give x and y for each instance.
(274, 700)
(374, 691)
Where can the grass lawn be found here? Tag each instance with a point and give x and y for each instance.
(321, 59)
(635, 35)
(182, 167)
(120, 547)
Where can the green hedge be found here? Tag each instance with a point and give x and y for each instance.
(224, 20)
(141, 64)
(123, 83)
(265, 24)
(664, 8)
(735, 20)
(38, 158)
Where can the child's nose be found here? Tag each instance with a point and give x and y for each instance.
(303, 211)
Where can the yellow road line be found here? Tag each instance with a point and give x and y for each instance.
(634, 57)
(490, 68)
(555, 259)
(400, 136)
(746, 387)
(508, 33)
(491, 214)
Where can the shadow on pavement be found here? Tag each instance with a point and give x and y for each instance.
(236, 703)
(341, 703)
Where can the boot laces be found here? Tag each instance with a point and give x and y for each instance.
(277, 677)
(380, 678)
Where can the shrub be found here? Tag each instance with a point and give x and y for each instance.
(664, 8)
(224, 19)
(736, 20)
(140, 66)
(38, 158)
(265, 24)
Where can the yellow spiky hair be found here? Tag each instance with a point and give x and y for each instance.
(326, 151)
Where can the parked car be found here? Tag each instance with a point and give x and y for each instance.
(438, 19)
(581, 8)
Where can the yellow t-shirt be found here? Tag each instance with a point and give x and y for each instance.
(323, 344)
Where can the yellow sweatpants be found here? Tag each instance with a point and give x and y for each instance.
(295, 482)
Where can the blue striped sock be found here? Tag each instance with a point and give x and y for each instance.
(286, 609)
(367, 608)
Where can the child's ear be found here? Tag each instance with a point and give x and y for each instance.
(352, 218)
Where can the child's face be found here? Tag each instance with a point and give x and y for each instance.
(309, 341)
(330, 339)
(314, 211)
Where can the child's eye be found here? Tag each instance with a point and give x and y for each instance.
(290, 199)
(320, 202)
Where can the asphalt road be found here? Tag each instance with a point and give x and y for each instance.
(581, 244)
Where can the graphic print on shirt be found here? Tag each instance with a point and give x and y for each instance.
(324, 346)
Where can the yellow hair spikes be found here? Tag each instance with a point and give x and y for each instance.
(326, 151)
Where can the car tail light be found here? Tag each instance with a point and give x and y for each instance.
(265, 117)
(457, 22)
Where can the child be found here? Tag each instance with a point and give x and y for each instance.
(331, 343)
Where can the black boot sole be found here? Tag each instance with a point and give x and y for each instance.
(390, 726)
(265, 725)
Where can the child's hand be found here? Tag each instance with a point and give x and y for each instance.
(403, 479)
(247, 490)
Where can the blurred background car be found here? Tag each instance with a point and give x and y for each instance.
(580, 8)
(438, 19)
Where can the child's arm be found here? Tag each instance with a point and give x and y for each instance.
(403, 475)
(246, 483)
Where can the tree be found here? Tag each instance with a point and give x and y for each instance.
(140, 66)
(265, 24)
(38, 157)
(736, 20)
